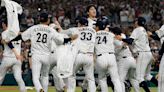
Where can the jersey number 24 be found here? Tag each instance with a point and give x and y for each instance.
(101, 39)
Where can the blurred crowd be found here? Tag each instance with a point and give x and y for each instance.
(120, 13)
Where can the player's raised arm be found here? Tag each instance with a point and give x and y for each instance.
(139, 23)
(157, 35)
(58, 38)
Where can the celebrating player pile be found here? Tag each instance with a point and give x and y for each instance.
(93, 46)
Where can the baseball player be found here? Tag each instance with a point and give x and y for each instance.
(139, 41)
(159, 35)
(126, 62)
(59, 83)
(41, 36)
(9, 59)
(105, 60)
(91, 12)
(84, 58)
(91, 17)
(58, 58)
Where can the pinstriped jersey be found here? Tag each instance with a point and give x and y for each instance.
(104, 42)
(160, 33)
(41, 37)
(6, 36)
(86, 38)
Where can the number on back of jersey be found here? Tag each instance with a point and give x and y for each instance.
(101, 39)
(86, 36)
(41, 38)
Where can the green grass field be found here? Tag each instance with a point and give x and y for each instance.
(51, 89)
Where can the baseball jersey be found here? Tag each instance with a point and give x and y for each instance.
(160, 33)
(86, 38)
(141, 42)
(121, 49)
(12, 9)
(6, 36)
(41, 37)
(104, 42)
(91, 23)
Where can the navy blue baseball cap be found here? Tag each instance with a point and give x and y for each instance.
(83, 21)
(141, 21)
(101, 23)
(44, 17)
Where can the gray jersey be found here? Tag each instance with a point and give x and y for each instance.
(104, 42)
(6, 36)
(41, 37)
(141, 42)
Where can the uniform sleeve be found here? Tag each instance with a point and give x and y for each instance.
(57, 37)
(160, 32)
(27, 34)
(5, 37)
(135, 34)
(161, 50)
(18, 7)
(71, 31)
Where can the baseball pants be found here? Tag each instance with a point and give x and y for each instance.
(161, 76)
(40, 71)
(84, 60)
(8, 62)
(59, 83)
(127, 70)
(143, 69)
(106, 64)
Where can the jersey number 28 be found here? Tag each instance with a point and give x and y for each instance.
(42, 38)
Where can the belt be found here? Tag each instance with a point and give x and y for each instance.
(124, 57)
(108, 53)
(143, 51)
(85, 52)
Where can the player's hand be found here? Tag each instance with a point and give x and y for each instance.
(74, 37)
(19, 57)
(57, 24)
(149, 33)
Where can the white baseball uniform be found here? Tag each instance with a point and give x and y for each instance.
(60, 56)
(160, 34)
(12, 9)
(9, 60)
(126, 65)
(41, 37)
(85, 44)
(106, 61)
(161, 76)
(91, 23)
(144, 59)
